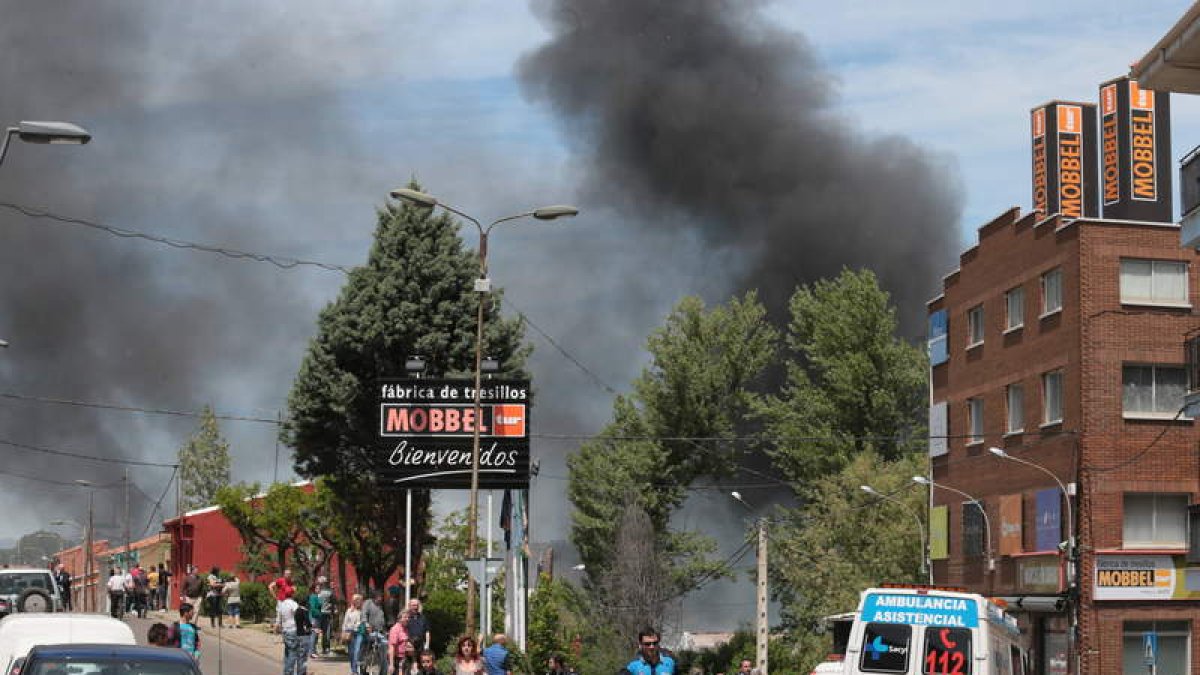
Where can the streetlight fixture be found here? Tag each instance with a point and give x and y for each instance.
(987, 524)
(54, 133)
(926, 565)
(483, 287)
(89, 564)
(762, 629)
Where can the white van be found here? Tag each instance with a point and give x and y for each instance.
(930, 631)
(21, 632)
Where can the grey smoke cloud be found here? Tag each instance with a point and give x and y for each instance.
(703, 110)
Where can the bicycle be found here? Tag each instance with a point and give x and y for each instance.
(372, 653)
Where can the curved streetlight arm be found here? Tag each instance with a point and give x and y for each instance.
(1061, 486)
(926, 567)
(987, 523)
(8, 134)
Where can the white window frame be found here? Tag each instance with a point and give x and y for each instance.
(1047, 419)
(1014, 426)
(1154, 542)
(1155, 266)
(1152, 414)
(975, 325)
(1047, 309)
(1019, 294)
(974, 421)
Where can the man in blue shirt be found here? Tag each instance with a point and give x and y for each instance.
(496, 659)
(649, 661)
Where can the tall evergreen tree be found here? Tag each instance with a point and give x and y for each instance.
(203, 463)
(414, 295)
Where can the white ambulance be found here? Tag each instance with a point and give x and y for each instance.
(923, 630)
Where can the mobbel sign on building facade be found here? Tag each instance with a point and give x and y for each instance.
(427, 430)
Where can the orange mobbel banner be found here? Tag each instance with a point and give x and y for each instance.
(1136, 146)
(1064, 159)
(1010, 524)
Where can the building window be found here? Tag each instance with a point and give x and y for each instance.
(1052, 291)
(1014, 302)
(1153, 391)
(975, 420)
(1155, 521)
(973, 529)
(1172, 655)
(1154, 282)
(975, 326)
(1052, 385)
(1015, 399)
(938, 328)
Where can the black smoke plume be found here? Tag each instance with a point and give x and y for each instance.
(719, 124)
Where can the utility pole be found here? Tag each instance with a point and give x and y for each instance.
(89, 564)
(128, 553)
(762, 628)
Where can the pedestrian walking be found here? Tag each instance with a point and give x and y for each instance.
(325, 618)
(418, 627)
(141, 590)
(213, 597)
(116, 593)
(185, 633)
(427, 667)
(152, 588)
(353, 630)
(233, 601)
(314, 611)
(496, 659)
(466, 657)
(63, 578)
(164, 587)
(410, 661)
(193, 587)
(397, 642)
(159, 635)
(376, 621)
(289, 621)
(650, 659)
(557, 665)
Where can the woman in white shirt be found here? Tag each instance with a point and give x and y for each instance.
(352, 630)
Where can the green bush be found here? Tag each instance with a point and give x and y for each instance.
(257, 602)
(446, 611)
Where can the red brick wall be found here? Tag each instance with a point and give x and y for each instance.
(1090, 339)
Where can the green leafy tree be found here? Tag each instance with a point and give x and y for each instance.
(851, 382)
(203, 463)
(843, 541)
(705, 363)
(414, 295)
(445, 581)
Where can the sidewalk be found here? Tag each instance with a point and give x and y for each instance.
(259, 639)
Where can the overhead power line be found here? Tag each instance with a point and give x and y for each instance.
(282, 262)
(78, 455)
(135, 409)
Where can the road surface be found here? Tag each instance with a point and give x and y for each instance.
(234, 660)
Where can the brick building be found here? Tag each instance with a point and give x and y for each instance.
(1061, 343)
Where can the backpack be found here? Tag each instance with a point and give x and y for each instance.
(175, 639)
(303, 622)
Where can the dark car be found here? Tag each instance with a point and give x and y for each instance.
(99, 659)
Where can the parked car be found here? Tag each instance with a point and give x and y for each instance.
(20, 633)
(28, 590)
(103, 659)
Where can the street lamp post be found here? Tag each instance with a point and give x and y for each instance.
(88, 596)
(1069, 553)
(926, 565)
(761, 625)
(54, 133)
(482, 287)
(987, 524)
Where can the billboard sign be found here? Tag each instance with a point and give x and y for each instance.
(427, 429)
(1064, 159)
(1010, 524)
(1145, 577)
(1048, 527)
(1135, 148)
